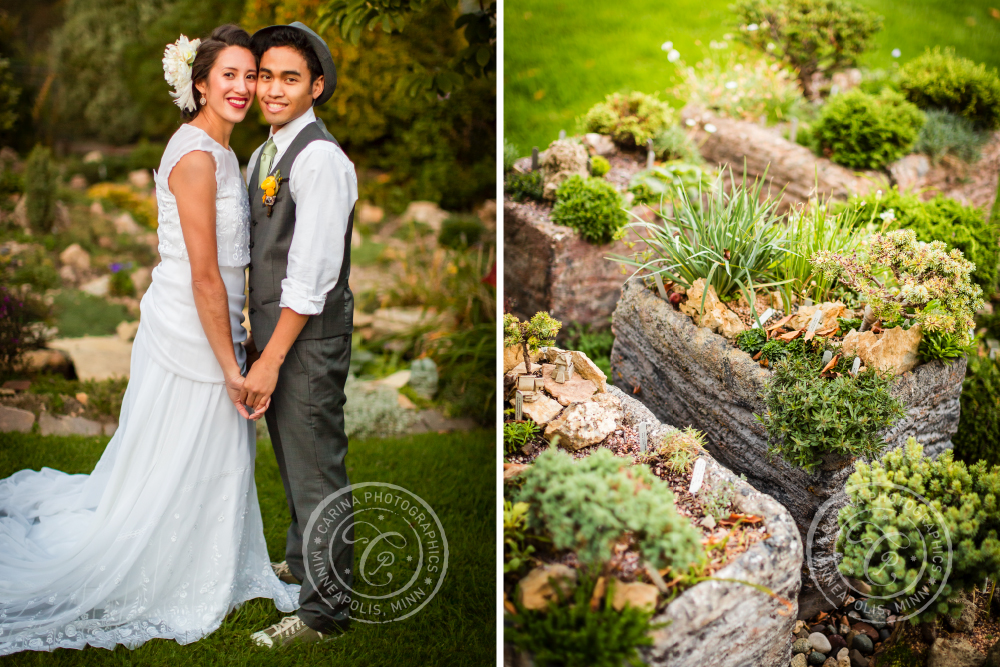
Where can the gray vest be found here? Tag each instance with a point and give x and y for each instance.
(270, 239)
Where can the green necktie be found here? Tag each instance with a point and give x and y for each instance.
(266, 156)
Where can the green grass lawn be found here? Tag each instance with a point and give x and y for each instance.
(561, 57)
(454, 473)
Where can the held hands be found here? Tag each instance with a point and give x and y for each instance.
(259, 384)
(235, 389)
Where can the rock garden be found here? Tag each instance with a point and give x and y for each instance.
(798, 268)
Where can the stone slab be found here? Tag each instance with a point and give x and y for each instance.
(65, 425)
(96, 357)
(15, 420)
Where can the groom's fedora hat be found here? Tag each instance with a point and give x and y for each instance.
(322, 53)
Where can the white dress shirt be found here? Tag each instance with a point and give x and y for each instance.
(324, 187)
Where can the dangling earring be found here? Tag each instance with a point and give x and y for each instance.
(203, 101)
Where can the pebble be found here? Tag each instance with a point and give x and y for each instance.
(820, 642)
(799, 660)
(883, 634)
(819, 627)
(843, 629)
(802, 634)
(836, 643)
(801, 646)
(799, 627)
(830, 662)
(863, 643)
(816, 658)
(858, 660)
(850, 638)
(866, 629)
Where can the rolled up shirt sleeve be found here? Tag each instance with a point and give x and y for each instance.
(324, 187)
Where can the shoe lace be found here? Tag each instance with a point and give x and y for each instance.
(287, 626)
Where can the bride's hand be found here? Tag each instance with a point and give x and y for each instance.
(234, 387)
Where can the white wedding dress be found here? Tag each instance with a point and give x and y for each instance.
(165, 537)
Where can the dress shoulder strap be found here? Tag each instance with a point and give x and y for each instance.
(185, 140)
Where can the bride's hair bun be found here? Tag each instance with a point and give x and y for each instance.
(185, 63)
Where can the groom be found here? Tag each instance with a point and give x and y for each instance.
(301, 308)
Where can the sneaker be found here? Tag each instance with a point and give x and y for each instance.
(288, 630)
(284, 573)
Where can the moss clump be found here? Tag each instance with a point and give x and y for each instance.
(592, 207)
(599, 166)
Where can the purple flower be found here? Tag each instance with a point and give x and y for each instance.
(116, 267)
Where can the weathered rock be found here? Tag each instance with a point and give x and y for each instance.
(549, 267)
(574, 390)
(15, 420)
(98, 286)
(96, 357)
(830, 662)
(689, 376)
(512, 470)
(370, 215)
(788, 166)
(599, 144)
(391, 322)
(954, 652)
(816, 658)
(967, 620)
(538, 587)
(126, 224)
(46, 360)
(802, 646)
(65, 425)
(858, 660)
(562, 159)
(512, 356)
(542, 410)
(831, 311)
(863, 643)
(710, 313)
(582, 365)
(634, 594)
(76, 257)
(993, 656)
(799, 660)
(909, 170)
(893, 349)
(109, 428)
(427, 212)
(582, 425)
(836, 643)
(140, 178)
(866, 629)
(820, 642)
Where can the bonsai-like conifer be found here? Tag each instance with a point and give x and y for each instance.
(531, 335)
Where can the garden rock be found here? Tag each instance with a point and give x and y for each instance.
(15, 420)
(126, 330)
(830, 662)
(716, 316)
(65, 425)
(426, 212)
(600, 144)
(893, 349)
(967, 620)
(140, 178)
(98, 287)
(820, 642)
(836, 643)
(582, 425)
(858, 660)
(582, 366)
(76, 257)
(689, 376)
(562, 159)
(831, 311)
(635, 594)
(96, 357)
(512, 356)
(126, 224)
(802, 646)
(538, 587)
(908, 171)
(574, 390)
(799, 660)
(867, 630)
(542, 410)
(954, 652)
(863, 643)
(816, 658)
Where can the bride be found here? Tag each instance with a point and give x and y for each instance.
(165, 537)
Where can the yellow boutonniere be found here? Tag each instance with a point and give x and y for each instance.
(270, 187)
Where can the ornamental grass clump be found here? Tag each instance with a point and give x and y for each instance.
(731, 240)
(920, 530)
(631, 119)
(922, 282)
(591, 206)
(588, 505)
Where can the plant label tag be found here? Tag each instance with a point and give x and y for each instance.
(807, 303)
(768, 314)
(856, 365)
(814, 322)
(697, 477)
(642, 437)
(660, 287)
(518, 405)
(827, 356)
(534, 158)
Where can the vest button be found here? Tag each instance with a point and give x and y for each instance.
(254, 223)
(253, 310)
(251, 289)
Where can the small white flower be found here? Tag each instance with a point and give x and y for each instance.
(710, 128)
(752, 27)
(770, 46)
(896, 53)
(730, 85)
(888, 215)
(674, 55)
(727, 36)
(689, 122)
(666, 46)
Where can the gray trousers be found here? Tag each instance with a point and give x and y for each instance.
(306, 423)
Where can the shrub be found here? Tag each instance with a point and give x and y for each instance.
(40, 176)
(941, 80)
(673, 143)
(809, 35)
(18, 311)
(374, 411)
(892, 532)
(524, 186)
(589, 504)
(731, 241)
(517, 434)
(571, 634)
(515, 553)
(929, 285)
(510, 154)
(944, 219)
(863, 131)
(631, 119)
(744, 90)
(978, 435)
(809, 415)
(650, 185)
(540, 331)
(751, 341)
(466, 362)
(591, 206)
(599, 166)
(119, 195)
(462, 231)
(34, 267)
(945, 133)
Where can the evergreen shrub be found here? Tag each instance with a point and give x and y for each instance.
(591, 206)
(864, 131)
(939, 79)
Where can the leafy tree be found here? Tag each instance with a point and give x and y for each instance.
(531, 335)
(9, 95)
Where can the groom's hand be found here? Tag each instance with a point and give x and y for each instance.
(260, 382)
(234, 387)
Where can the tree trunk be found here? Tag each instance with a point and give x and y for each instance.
(869, 319)
(527, 356)
(928, 632)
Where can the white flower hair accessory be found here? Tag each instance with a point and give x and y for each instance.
(177, 60)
